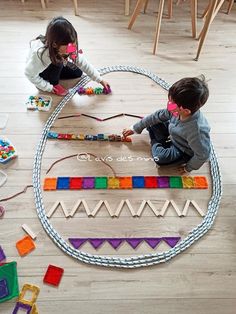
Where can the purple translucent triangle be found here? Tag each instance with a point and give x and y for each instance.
(171, 241)
(96, 243)
(77, 242)
(152, 242)
(115, 243)
(134, 242)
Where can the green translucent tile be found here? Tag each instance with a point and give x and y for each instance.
(176, 182)
(101, 183)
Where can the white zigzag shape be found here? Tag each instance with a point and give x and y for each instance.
(116, 213)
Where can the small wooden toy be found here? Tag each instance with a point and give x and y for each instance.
(25, 245)
(41, 102)
(53, 275)
(27, 229)
(93, 91)
(7, 151)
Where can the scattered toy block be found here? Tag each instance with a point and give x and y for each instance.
(63, 183)
(88, 182)
(7, 151)
(21, 306)
(2, 254)
(27, 229)
(75, 183)
(200, 182)
(113, 183)
(53, 275)
(101, 183)
(25, 245)
(163, 182)
(176, 182)
(3, 288)
(138, 182)
(35, 292)
(9, 281)
(50, 184)
(188, 182)
(126, 182)
(150, 182)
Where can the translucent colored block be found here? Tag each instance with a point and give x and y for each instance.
(113, 183)
(101, 183)
(3, 288)
(25, 245)
(8, 273)
(50, 184)
(26, 308)
(2, 255)
(200, 182)
(29, 290)
(150, 182)
(138, 182)
(176, 182)
(63, 183)
(75, 183)
(163, 182)
(88, 182)
(53, 275)
(126, 182)
(188, 182)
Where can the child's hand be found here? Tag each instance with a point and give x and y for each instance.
(127, 132)
(182, 171)
(59, 90)
(105, 85)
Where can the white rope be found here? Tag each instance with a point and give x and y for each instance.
(133, 261)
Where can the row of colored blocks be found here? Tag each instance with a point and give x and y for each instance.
(88, 137)
(76, 183)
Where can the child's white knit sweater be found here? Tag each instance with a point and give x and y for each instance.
(35, 66)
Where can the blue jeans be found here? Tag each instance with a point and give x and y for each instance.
(164, 152)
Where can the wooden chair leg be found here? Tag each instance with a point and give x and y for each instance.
(127, 6)
(76, 9)
(136, 12)
(170, 9)
(212, 8)
(158, 25)
(231, 2)
(194, 17)
(43, 4)
(145, 6)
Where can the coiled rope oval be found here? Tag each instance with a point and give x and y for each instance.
(133, 261)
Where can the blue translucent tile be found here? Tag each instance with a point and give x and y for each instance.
(63, 183)
(138, 182)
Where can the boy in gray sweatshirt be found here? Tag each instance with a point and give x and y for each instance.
(180, 132)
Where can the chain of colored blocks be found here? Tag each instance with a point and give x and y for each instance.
(93, 91)
(88, 137)
(153, 182)
(116, 242)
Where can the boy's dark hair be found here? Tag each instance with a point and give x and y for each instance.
(190, 93)
(59, 32)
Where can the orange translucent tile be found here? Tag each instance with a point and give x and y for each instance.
(200, 182)
(126, 182)
(188, 182)
(113, 183)
(50, 184)
(25, 245)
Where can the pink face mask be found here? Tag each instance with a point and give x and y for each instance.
(172, 107)
(72, 51)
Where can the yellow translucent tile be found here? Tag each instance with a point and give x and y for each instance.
(113, 183)
(188, 182)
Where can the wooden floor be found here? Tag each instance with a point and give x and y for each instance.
(202, 280)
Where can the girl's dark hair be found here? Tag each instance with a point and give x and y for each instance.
(190, 93)
(59, 32)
